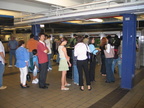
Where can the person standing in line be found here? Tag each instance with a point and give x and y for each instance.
(31, 45)
(80, 51)
(103, 42)
(73, 41)
(43, 61)
(64, 63)
(36, 67)
(49, 46)
(22, 57)
(93, 52)
(75, 71)
(109, 54)
(2, 65)
(86, 39)
(116, 44)
(119, 60)
(12, 45)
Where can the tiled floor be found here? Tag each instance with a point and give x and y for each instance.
(53, 97)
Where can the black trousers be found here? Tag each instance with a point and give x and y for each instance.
(83, 65)
(92, 70)
(43, 74)
(103, 66)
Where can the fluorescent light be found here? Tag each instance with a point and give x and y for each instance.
(120, 18)
(44, 1)
(96, 20)
(41, 25)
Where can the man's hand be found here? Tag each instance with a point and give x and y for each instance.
(45, 51)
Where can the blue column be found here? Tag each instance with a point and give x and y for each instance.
(128, 50)
(36, 30)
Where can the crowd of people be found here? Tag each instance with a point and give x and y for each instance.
(35, 56)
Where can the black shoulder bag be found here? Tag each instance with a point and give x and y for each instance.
(88, 54)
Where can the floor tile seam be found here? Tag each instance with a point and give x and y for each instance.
(117, 88)
(137, 100)
(9, 74)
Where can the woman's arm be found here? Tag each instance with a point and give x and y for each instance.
(36, 65)
(26, 56)
(41, 47)
(93, 49)
(108, 48)
(67, 57)
(65, 53)
(2, 55)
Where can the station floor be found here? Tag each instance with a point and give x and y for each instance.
(102, 95)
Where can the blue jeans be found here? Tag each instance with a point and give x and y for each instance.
(12, 54)
(117, 61)
(58, 58)
(2, 66)
(30, 55)
(109, 72)
(49, 61)
(75, 74)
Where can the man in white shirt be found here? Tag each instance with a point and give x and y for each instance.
(49, 46)
(2, 65)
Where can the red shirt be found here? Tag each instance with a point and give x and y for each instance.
(42, 56)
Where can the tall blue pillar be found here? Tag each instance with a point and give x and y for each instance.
(36, 30)
(128, 50)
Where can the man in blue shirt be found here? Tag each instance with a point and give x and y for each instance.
(12, 44)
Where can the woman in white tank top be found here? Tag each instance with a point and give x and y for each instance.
(64, 63)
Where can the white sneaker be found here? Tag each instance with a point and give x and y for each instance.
(34, 82)
(50, 68)
(67, 85)
(10, 66)
(3, 87)
(76, 83)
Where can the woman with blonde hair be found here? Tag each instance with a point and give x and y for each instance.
(80, 51)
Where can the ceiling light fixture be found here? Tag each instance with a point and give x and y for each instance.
(42, 25)
(44, 1)
(96, 20)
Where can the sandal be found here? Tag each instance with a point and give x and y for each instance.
(64, 88)
(67, 85)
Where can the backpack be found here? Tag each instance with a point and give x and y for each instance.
(31, 67)
(115, 53)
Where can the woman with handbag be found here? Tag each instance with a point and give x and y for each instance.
(22, 58)
(80, 51)
(93, 52)
(109, 54)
